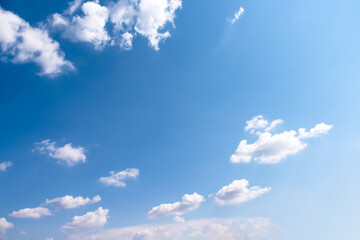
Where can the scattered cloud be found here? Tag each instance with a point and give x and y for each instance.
(270, 148)
(31, 213)
(4, 225)
(21, 43)
(188, 203)
(88, 222)
(117, 179)
(238, 192)
(237, 15)
(202, 229)
(68, 202)
(4, 166)
(66, 155)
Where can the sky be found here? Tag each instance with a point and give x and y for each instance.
(176, 119)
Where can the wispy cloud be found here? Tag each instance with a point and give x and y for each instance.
(237, 15)
(5, 165)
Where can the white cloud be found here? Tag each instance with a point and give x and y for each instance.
(126, 41)
(51, 238)
(67, 155)
(238, 192)
(31, 213)
(152, 17)
(4, 225)
(68, 202)
(237, 15)
(316, 131)
(21, 43)
(202, 229)
(117, 179)
(274, 148)
(273, 124)
(90, 27)
(5, 165)
(123, 14)
(256, 122)
(188, 203)
(73, 6)
(88, 222)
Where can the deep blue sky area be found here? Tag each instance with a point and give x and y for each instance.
(178, 114)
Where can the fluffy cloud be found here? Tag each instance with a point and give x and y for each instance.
(68, 202)
(256, 122)
(316, 131)
(117, 179)
(88, 28)
(188, 203)
(5, 165)
(21, 43)
(202, 229)
(237, 15)
(31, 213)
(67, 155)
(128, 18)
(273, 148)
(238, 192)
(152, 16)
(88, 222)
(4, 225)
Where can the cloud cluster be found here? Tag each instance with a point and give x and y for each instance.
(188, 203)
(270, 148)
(5, 165)
(127, 17)
(66, 155)
(238, 192)
(21, 43)
(202, 229)
(68, 202)
(117, 179)
(88, 222)
(31, 213)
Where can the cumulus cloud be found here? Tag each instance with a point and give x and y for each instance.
(4, 225)
(316, 131)
(90, 27)
(202, 229)
(152, 16)
(5, 165)
(66, 155)
(238, 192)
(68, 202)
(269, 148)
(31, 213)
(256, 122)
(188, 203)
(128, 18)
(117, 179)
(88, 222)
(21, 43)
(237, 15)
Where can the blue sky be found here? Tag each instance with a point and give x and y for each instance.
(167, 113)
